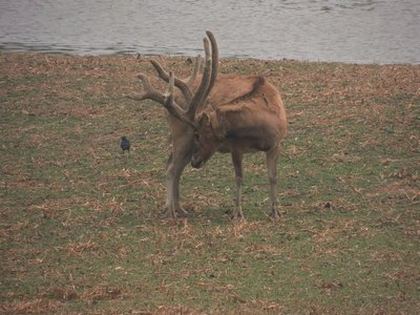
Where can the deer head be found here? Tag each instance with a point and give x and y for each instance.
(208, 136)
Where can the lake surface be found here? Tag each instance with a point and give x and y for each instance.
(369, 31)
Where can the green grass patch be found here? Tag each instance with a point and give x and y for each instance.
(80, 224)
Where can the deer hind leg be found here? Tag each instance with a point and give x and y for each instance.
(237, 163)
(272, 158)
(176, 164)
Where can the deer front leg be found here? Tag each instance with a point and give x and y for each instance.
(176, 164)
(272, 158)
(237, 163)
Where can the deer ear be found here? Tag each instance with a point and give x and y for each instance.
(203, 119)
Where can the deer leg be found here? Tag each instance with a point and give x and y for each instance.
(176, 164)
(237, 163)
(272, 158)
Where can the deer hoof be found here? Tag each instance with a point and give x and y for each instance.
(275, 216)
(168, 213)
(237, 217)
(181, 213)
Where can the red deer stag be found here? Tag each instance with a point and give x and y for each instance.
(225, 113)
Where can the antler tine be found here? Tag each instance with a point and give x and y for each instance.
(178, 83)
(146, 83)
(148, 91)
(199, 96)
(170, 104)
(171, 83)
(214, 61)
(196, 69)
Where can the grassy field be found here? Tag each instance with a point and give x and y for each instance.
(80, 224)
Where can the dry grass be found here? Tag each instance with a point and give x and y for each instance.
(80, 227)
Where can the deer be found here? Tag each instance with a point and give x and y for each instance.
(209, 113)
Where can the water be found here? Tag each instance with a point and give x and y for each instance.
(368, 31)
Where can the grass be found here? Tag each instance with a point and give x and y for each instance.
(80, 230)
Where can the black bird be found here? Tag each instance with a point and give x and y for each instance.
(125, 144)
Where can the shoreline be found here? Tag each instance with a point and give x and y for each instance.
(182, 56)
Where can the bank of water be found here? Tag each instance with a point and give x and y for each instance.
(361, 31)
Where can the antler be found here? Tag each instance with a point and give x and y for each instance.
(172, 107)
(209, 74)
(214, 61)
(178, 83)
(148, 91)
(196, 70)
(193, 101)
